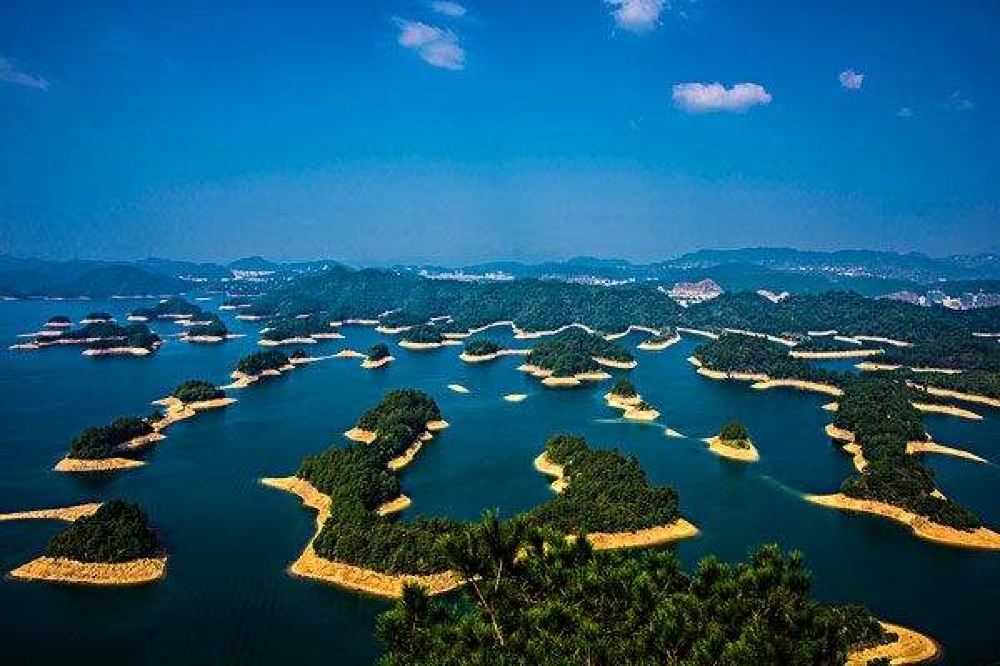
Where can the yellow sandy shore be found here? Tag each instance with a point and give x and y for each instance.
(407, 456)
(310, 565)
(634, 414)
(888, 341)
(764, 336)
(848, 340)
(394, 506)
(457, 388)
(434, 426)
(621, 365)
(482, 358)
(349, 353)
(698, 331)
(204, 339)
(982, 537)
(833, 432)
(679, 529)
(737, 376)
(621, 402)
(798, 384)
(910, 647)
(287, 341)
(721, 447)
(359, 435)
(424, 346)
(857, 456)
(933, 447)
(949, 410)
(629, 407)
(551, 469)
(846, 353)
(821, 334)
(967, 397)
(670, 432)
(100, 465)
(392, 330)
(561, 382)
(869, 366)
(940, 371)
(66, 513)
(117, 351)
(247, 317)
(515, 397)
(63, 570)
(646, 345)
(534, 370)
(831, 406)
(141, 443)
(631, 327)
(382, 362)
(520, 334)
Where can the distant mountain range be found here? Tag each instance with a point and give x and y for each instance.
(775, 269)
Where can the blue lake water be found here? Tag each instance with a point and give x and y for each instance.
(227, 595)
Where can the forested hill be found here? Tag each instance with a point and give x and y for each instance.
(532, 304)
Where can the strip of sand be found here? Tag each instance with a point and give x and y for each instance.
(982, 537)
(74, 465)
(957, 395)
(359, 435)
(845, 353)
(457, 388)
(66, 513)
(310, 565)
(652, 536)
(551, 469)
(394, 506)
(117, 351)
(63, 570)
(799, 384)
(948, 410)
(515, 397)
(933, 447)
(407, 456)
(658, 345)
(888, 341)
(611, 363)
(425, 346)
(369, 364)
(910, 647)
(699, 332)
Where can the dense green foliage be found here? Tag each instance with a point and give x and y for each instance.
(979, 382)
(424, 334)
(398, 318)
(109, 334)
(540, 305)
(734, 433)
(878, 411)
(742, 353)
(236, 301)
(59, 320)
(956, 349)
(408, 407)
(197, 390)
(135, 336)
(285, 329)
(607, 492)
(117, 532)
(572, 351)
(623, 388)
(534, 599)
(167, 307)
(377, 352)
(214, 328)
(99, 316)
(102, 441)
(258, 362)
(481, 347)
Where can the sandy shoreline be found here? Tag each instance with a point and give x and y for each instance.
(515, 397)
(482, 358)
(914, 448)
(722, 449)
(982, 537)
(630, 407)
(64, 570)
(799, 384)
(117, 351)
(66, 513)
(426, 346)
(698, 331)
(651, 536)
(74, 465)
(660, 345)
(457, 388)
(310, 565)
(407, 456)
(910, 647)
(948, 410)
(369, 364)
(846, 353)
(394, 506)
(621, 365)
(553, 470)
(359, 435)
(957, 395)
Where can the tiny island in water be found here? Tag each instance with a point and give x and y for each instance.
(603, 541)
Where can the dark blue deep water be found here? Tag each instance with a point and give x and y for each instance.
(227, 597)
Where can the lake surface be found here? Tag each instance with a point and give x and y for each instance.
(227, 596)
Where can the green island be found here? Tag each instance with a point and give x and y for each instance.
(536, 597)
(481, 347)
(423, 335)
(99, 442)
(257, 363)
(197, 390)
(59, 321)
(213, 329)
(624, 388)
(735, 434)
(574, 352)
(113, 545)
(297, 330)
(168, 308)
(102, 337)
(876, 414)
(377, 352)
(400, 319)
(97, 317)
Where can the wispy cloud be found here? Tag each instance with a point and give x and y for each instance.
(708, 97)
(436, 46)
(9, 73)
(452, 9)
(637, 15)
(905, 112)
(851, 80)
(957, 101)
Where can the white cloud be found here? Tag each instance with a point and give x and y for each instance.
(637, 15)
(957, 101)
(434, 45)
(452, 9)
(708, 97)
(905, 112)
(851, 80)
(11, 74)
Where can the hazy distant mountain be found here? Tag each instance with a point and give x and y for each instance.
(33, 277)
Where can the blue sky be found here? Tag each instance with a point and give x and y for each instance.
(405, 130)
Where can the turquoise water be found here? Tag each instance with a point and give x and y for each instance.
(227, 596)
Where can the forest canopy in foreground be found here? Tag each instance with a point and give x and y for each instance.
(535, 598)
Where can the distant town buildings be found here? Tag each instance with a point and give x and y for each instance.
(688, 293)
